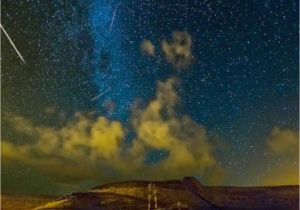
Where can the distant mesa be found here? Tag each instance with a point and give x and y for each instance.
(187, 193)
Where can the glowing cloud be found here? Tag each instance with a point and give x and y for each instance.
(283, 147)
(148, 48)
(178, 51)
(75, 151)
(94, 149)
(188, 147)
(283, 141)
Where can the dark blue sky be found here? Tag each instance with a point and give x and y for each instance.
(243, 80)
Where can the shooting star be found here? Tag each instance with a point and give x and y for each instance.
(101, 94)
(113, 17)
(12, 43)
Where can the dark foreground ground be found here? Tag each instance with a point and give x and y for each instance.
(23, 202)
(182, 194)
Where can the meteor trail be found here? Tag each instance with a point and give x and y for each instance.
(11, 42)
(112, 20)
(101, 94)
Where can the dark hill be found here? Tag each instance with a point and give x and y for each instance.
(182, 194)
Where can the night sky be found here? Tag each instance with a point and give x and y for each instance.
(118, 90)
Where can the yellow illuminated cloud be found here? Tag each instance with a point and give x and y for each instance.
(178, 51)
(86, 149)
(283, 141)
(158, 127)
(283, 146)
(148, 48)
(286, 173)
(74, 151)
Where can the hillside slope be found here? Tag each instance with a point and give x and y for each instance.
(23, 202)
(182, 194)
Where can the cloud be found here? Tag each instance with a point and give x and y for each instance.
(158, 127)
(178, 51)
(286, 173)
(50, 110)
(95, 149)
(283, 147)
(283, 141)
(147, 48)
(74, 151)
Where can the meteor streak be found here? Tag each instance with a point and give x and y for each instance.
(101, 94)
(12, 43)
(113, 18)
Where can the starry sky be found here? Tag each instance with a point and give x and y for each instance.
(175, 88)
